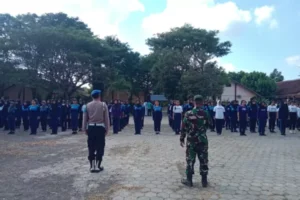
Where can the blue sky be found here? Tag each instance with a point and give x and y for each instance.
(264, 34)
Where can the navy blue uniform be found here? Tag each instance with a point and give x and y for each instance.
(243, 113)
(233, 117)
(157, 117)
(54, 117)
(34, 113)
(227, 117)
(18, 114)
(11, 116)
(63, 118)
(1, 109)
(253, 109)
(80, 117)
(262, 119)
(138, 114)
(127, 110)
(283, 115)
(74, 113)
(25, 117)
(116, 113)
(4, 116)
(212, 114)
(170, 115)
(44, 115)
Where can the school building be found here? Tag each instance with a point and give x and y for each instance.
(237, 91)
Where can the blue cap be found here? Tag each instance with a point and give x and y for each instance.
(96, 92)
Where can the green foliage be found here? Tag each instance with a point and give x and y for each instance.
(276, 75)
(259, 82)
(184, 62)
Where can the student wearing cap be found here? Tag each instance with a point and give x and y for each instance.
(194, 126)
(95, 123)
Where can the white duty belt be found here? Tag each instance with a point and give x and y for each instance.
(97, 124)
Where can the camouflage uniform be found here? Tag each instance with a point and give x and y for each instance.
(194, 126)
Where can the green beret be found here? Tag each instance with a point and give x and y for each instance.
(198, 98)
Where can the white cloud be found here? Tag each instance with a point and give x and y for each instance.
(103, 17)
(199, 13)
(293, 60)
(264, 14)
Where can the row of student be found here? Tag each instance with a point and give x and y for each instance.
(45, 114)
(119, 113)
(241, 116)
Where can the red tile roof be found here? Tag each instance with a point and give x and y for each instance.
(288, 88)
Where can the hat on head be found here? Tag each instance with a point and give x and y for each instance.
(94, 92)
(198, 98)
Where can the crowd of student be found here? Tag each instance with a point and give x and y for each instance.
(233, 116)
(44, 114)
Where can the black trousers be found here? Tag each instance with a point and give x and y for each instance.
(282, 126)
(293, 121)
(26, 123)
(243, 126)
(212, 127)
(219, 125)
(116, 124)
(96, 142)
(253, 124)
(233, 122)
(272, 123)
(157, 124)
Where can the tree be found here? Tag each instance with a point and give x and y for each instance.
(184, 59)
(276, 75)
(236, 76)
(260, 83)
(55, 48)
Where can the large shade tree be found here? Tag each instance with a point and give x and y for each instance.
(185, 63)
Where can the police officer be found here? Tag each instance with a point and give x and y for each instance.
(272, 112)
(242, 117)
(33, 117)
(138, 114)
(96, 126)
(74, 113)
(12, 110)
(262, 118)
(44, 115)
(157, 117)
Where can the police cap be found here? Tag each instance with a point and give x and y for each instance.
(94, 92)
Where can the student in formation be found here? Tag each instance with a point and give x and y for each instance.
(283, 115)
(233, 116)
(293, 116)
(54, 115)
(34, 113)
(116, 112)
(74, 113)
(11, 116)
(219, 117)
(44, 115)
(25, 115)
(262, 118)
(157, 117)
(177, 116)
(242, 117)
(272, 113)
(138, 114)
(298, 115)
(253, 115)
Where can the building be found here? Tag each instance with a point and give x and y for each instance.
(17, 92)
(236, 91)
(288, 89)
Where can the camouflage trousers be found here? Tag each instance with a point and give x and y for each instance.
(193, 150)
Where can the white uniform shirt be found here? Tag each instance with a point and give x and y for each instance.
(293, 109)
(272, 108)
(177, 109)
(219, 110)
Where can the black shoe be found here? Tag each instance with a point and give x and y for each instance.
(204, 181)
(243, 134)
(283, 134)
(53, 133)
(263, 134)
(187, 182)
(32, 133)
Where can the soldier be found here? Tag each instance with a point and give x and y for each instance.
(95, 123)
(194, 126)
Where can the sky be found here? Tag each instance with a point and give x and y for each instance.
(264, 33)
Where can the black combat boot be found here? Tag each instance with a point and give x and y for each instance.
(204, 181)
(188, 181)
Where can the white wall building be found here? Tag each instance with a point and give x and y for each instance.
(236, 91)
